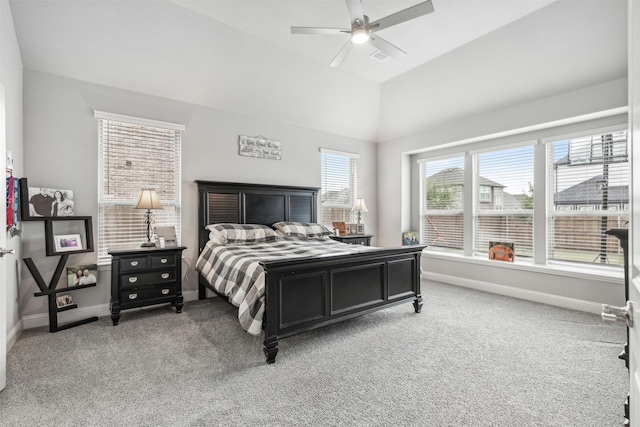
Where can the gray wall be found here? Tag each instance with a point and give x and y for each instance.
(61, 146)
(532, 72)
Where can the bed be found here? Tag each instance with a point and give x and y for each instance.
(307, 291)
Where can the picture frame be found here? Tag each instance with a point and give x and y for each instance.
(502, 251)
(359, 228)
(410, 238)
(85, 274)
(68, 242)
(168, 234)
(352, 228)
(63, 301)
(38, 203)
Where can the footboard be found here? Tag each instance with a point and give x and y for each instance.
(307, 293)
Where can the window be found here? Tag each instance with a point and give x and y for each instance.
(134, 154)
(338, 193)
(587, 197)
(508, 174)
(485, 193)
(442, 214)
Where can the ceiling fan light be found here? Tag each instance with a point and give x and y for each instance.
(360, 36)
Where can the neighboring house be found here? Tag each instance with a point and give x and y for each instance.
(491, 195)
(589, 195)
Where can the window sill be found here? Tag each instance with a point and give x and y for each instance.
(614, 275)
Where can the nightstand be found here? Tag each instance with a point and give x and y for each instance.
(354, 239)
(145, 276)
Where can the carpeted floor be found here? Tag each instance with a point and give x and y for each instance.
(469, 359)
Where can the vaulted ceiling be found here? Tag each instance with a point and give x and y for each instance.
(240, 55)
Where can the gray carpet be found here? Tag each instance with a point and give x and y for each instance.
(469, 359)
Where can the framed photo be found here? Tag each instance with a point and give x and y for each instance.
(359, 228)
(168, 234)
(44, 202)
(82, 275)
(64, 300)
(68, 242)
(502, 251)
(351, 228)
(410, 238)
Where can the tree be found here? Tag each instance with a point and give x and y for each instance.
(440, 195)
(526, 200)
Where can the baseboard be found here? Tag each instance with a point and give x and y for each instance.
(42, 319)
(14, 334)
(526, 294)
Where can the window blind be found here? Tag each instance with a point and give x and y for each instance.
(588, 196)
(442, 216)
(133, 154)
(338, 192)
(504, 203)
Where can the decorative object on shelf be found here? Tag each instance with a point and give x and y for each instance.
(340, 228)
(359, 206)
(82, 275)
(148, 200)
(68, 242)
(410, 238)
(64, 300)
(57, 227)
(502, 251)
(259, 146)
(37, 203)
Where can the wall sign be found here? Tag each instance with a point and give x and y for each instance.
(259, 146)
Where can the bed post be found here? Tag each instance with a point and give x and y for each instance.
(271, 297)
(417, 303)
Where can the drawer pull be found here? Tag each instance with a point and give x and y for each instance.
(134, 263)
(164, 260)
(133, 279)
(165, 275)
(165, 291)
(133, 296)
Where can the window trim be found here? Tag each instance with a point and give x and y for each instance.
(540, 135)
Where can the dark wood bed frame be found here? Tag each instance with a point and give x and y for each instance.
(302, 294)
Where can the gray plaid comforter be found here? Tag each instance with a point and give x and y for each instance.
(234, 270)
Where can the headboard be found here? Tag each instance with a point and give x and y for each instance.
(242, 203)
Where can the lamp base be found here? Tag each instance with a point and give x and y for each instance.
(148, 245)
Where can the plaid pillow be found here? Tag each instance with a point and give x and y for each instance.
(308, 230)
(240, 233)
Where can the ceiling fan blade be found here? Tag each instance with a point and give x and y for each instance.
(402, 16)
(341, 55)
(386, 47)
(315, 30)
(355, 10)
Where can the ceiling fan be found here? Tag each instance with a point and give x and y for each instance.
(363, 31)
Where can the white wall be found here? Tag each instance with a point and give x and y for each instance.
(11, 78)
(485, 79)
(61, 146)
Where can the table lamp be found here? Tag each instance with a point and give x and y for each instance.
(148, 200)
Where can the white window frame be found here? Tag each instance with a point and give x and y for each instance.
(174, 204)
(540, 135)
(353, 185)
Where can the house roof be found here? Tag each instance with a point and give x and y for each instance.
(455, 176)
(590, 192)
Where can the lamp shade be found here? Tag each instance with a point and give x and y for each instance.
(360, 206)
(148, 199)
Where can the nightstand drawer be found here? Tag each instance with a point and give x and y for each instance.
(145, 279)
(134, 263)
(147, 294)
(159, 261)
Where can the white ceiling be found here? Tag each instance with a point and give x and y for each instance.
(452, 24)
(48, 28)
(239, 55)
